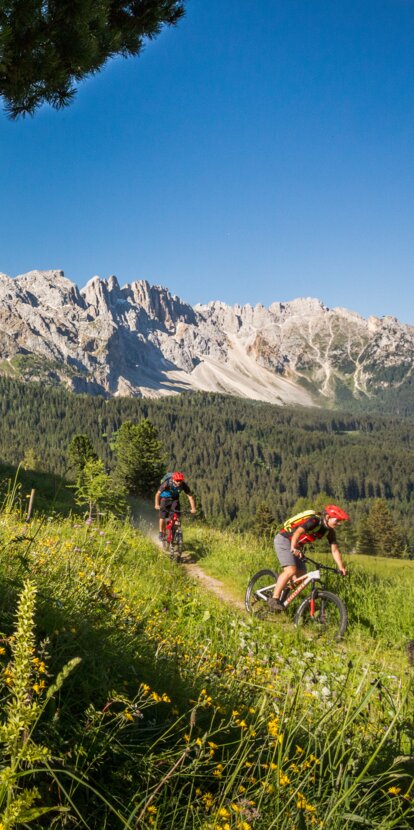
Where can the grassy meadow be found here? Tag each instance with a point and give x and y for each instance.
(133, 698)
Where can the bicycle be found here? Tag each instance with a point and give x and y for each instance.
(322, 612)
(173, 537)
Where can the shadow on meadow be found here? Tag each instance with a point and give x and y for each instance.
(84, 724)
(53, 495)
(195, 550)
(114, 658)
(86, 727)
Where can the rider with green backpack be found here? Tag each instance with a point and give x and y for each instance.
(298, 531)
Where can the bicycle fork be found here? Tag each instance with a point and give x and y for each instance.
(288, 594)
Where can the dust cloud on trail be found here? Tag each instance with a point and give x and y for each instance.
(145, 518)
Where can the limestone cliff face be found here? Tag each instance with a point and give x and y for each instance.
(141, 340)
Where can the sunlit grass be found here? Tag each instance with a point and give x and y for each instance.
(378, 592)
(185, 712)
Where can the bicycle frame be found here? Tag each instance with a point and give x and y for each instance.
(171, 526)
(294, 590)
(312, 576)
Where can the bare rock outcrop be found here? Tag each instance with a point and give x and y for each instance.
(142, 340)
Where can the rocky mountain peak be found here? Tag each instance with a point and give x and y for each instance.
(50, 288)
(140, 339)
(161, 305)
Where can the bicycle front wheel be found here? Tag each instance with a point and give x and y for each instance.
(177, 546)
(323, 615)
(179, 541)
(259, 591)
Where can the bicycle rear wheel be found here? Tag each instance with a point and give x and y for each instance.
(259, 591)
(323, 615)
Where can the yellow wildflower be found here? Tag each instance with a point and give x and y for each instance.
(208, 800)
(394, 790)
(314, 759)
(284, 780)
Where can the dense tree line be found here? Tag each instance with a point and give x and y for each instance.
(238, 455)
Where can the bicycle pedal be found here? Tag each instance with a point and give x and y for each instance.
(275, 604)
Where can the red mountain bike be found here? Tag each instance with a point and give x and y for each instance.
(173, 537)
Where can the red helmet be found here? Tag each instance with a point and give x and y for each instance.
(335, 512)
(178, 477)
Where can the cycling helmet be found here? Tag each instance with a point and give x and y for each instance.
(177, 477)
(335, 512)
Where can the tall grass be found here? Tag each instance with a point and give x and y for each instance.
(182, 712)
(379, 592)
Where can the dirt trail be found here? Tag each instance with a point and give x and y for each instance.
(213, 585)
(146, 519)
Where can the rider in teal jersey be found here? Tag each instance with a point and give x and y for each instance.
(167, 497)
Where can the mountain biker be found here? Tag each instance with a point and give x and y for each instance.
(167, 498)
(292, 538)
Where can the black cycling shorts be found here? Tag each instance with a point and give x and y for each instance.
(169, 506)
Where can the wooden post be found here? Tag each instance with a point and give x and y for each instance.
(30, 507)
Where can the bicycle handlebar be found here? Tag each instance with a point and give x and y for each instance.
(319, 565)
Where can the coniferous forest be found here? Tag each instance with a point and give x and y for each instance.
(240, 457)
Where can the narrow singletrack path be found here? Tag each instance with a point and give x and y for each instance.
(146, 519)
(212, 584)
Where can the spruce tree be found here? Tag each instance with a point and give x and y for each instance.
(46, 49)
(388, 540)
(264, 522)
(366, 541)
(80, 451)
(140, 458)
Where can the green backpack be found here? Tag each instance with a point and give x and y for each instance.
(296, 521)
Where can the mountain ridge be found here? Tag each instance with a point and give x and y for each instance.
(141, 340)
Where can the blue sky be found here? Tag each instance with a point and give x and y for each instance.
(256, 152)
